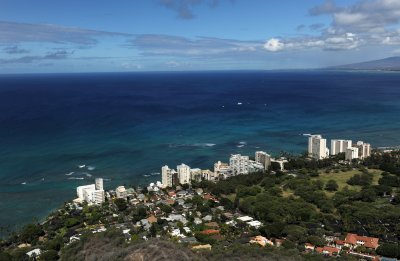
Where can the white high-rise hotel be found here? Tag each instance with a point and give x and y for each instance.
(93, 193)
(239, 164)
(167, 176)
(351, 153)
(183, 173)
(317, 147)
(340, 146)
(263, 158)
(364, 149)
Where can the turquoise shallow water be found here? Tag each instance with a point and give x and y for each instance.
(127, 126)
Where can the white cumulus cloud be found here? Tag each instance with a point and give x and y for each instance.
(274, 45)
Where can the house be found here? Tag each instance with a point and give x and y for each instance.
(279, 242)
(172, 194)
(354, 240)
(202, 247)
(209, 197)
(197, 221)
(207, 218)
(187, 230)
(339, 243)
(209, 232)
(309, 246)
(245, 218)
(199, 191)
(212, 224)
(181, 194)
(34, 253)
(180, 201)
(177, 233)
(328, 250)
(262, 241)
(228, 215)
(187, 205)
(24, 245)
(188, 240)
(74, 238)
(152, 219)
(254, 223)
(177, 217)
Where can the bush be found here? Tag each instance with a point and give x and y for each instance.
(49, 255)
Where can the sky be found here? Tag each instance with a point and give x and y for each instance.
(45, 36)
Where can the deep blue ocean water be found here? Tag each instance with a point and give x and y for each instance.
(127, 125)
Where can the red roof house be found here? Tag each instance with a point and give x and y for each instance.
(355, 240)
(328, 251)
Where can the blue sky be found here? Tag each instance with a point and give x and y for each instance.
(148, 35)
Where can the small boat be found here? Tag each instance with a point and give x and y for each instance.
(81, 166)
(23, 183)
(239, 103)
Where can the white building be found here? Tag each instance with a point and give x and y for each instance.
(80, 191)
(167, 176)
(99, 184)
(339, 146)
(281, 161)
(90, 194)
(351, 153)
(263, 158)
(364, 149)
(183, 173)
(255, 166)
(98, 197)
(208, 175)
(195, 174)
(317, 147)
(239, 164)
(223, 169)
(121, 192)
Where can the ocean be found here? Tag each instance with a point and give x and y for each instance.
(125, 126)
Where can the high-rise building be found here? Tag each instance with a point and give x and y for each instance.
(263, 158)
(98, 196)
(81, 190)
(364, 149)
(195, 174)
(239, 164)
(99, 183)
(340, 146)
(167, 176)
(351, 153)
(183, 173)
(317, 147)
(90, 194)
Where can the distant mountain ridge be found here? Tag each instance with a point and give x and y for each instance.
(387, 64)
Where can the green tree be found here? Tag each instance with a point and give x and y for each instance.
(331, 185)
(70, 222)
(31, 233)
(5, 256)
(389, 250)
(121, 204)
